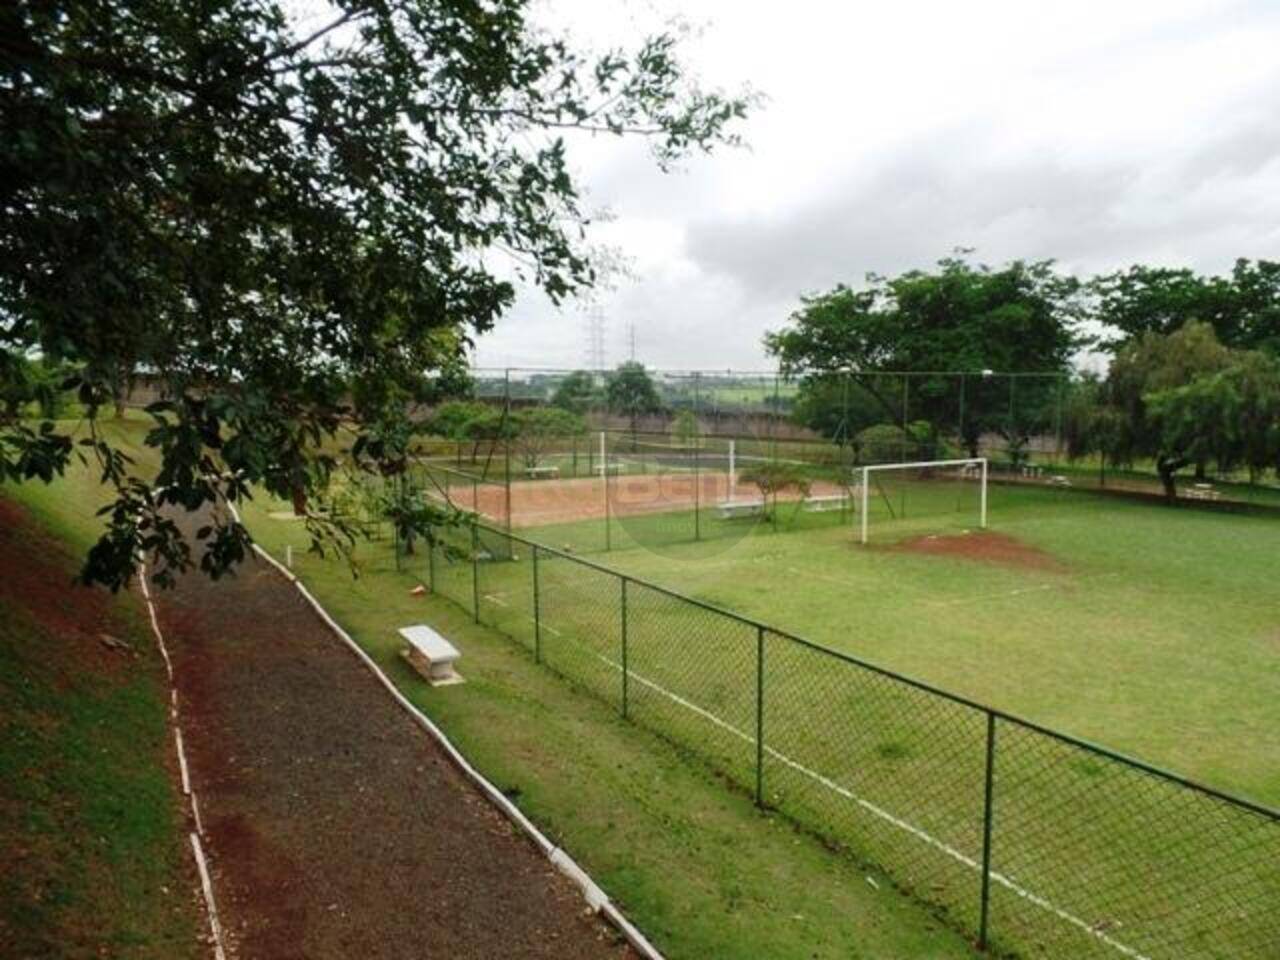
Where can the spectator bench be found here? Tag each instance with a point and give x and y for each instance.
(431, 655)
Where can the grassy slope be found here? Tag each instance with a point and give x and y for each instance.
(1159, 639)
(694, 864)
(94, 822)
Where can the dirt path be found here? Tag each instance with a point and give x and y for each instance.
(336, 827)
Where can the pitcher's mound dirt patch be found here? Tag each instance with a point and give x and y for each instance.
(984, 547)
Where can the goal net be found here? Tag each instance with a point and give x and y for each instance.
(908, 499)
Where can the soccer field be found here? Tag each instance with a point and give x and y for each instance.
(1151, 630)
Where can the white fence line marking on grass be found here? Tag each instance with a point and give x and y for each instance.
(880, 812)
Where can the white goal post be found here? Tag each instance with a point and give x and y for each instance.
(865, 486)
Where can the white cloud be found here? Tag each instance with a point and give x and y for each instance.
(1099, 133)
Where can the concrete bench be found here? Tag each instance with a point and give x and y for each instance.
(1203, 491)
(1059, 481)
(431, 655)
(740, 508)
(828, 501)
(542, 473)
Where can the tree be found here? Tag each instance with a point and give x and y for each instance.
(537, 430)
(1181, 399)
(450, 417)
(1231, 417)
(774, 478)
(1023, 317)
(631, 391)
(577, 392)
(685, 428)
(1243, 308)
(276, 219)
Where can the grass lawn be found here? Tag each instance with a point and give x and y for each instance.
(1083, 844)
(1155, 631)
(94, 859)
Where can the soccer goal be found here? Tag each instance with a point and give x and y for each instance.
(920, 491)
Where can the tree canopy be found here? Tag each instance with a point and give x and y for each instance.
(1243, 308)
(631, 390)
(288, 226)
(1023, 317)
(1182, 399)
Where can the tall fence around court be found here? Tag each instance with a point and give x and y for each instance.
(1031, 841)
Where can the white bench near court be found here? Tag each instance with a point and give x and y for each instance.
(600, 469)
(542, 473)
(431, 655)
(828, 501)
(740, 508)
(1203, 491)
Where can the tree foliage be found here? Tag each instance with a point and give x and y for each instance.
(1243, 308)
(577, 392)
(630, 390)
(536, 431)
(1181, 399)
(1023, 317)
(288, 225)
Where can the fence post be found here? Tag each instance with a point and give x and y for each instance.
(986, 831)
(431, 563)
(475, 572)
(759, 716)
(625, 670)
(537, 611)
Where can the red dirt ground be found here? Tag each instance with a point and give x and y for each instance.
(537, 502)
(336, 827)
(984, 547)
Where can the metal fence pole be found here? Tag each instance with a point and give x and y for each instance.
(475, 572)
(986, 831)
(537, 611)
(625, 671)
(604, 472)
(759, 716)
(697, 442)
(506, 442)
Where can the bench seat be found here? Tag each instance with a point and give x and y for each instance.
(431, 655)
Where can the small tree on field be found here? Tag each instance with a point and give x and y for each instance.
(685, 428)
(535, 432)
(772, 479)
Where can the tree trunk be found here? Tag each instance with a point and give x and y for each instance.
(1168, 466)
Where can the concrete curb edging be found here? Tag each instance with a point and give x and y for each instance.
(595, 897)
(197, 849)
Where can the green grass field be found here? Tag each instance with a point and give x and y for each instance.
(1107, 638)
(1158, 635)
(1144, 628)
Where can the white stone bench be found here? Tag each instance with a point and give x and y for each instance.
(740, 508)
(1203, 491)
(828, 501)
(1059, 481)
(548, 473)
(431, 655)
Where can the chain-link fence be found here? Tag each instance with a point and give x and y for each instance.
(1033, 842)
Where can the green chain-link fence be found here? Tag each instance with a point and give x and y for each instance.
(1033, 842)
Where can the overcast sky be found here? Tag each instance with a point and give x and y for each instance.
(1096, 133)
